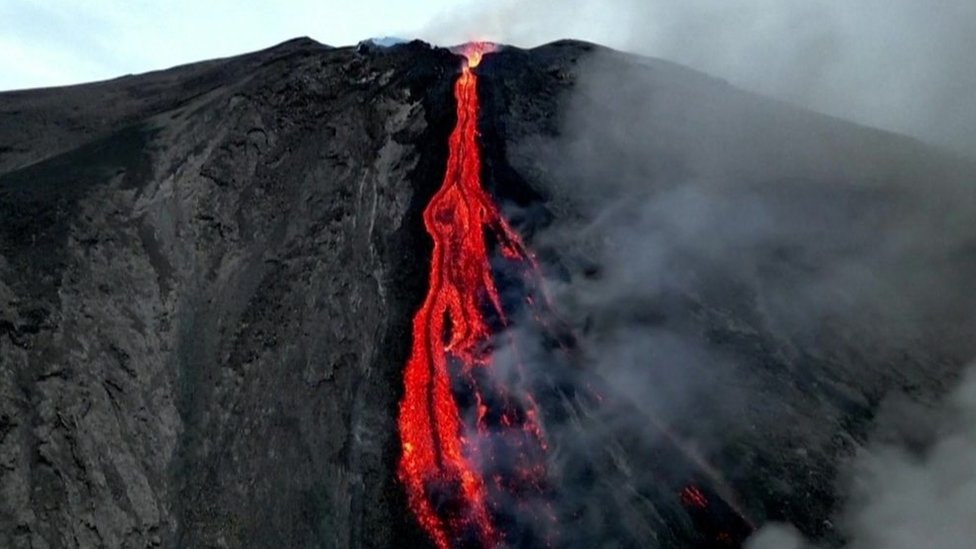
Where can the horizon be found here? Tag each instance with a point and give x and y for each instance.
(889, 64)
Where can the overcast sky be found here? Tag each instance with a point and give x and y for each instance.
(55, 42)
(903, 65)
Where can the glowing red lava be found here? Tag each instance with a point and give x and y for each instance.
(449, 480)
(692, 496)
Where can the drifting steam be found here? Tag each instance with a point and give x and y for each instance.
(904, 497)
(894, 64)
(750, 282)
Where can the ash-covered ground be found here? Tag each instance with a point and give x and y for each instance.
(208, 274)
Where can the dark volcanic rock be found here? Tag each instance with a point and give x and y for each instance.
(208, 274)
(751, 279)
(207, 277)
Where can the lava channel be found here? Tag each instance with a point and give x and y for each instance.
(471, 444)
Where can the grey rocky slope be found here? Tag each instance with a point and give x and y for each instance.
(207, 277)
(777, 288)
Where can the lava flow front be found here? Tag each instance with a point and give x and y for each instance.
(468, 440)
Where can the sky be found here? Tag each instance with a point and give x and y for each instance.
(58, 42)
(901, 65)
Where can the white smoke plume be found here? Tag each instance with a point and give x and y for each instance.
(764, 276)
(900, 65)
(905, 498)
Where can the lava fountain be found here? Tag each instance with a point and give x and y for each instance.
(467, 439)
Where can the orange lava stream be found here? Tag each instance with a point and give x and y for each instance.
(451, 337)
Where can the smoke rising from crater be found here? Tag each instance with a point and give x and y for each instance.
(899, 65)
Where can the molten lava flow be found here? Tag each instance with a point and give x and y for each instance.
(453, 412)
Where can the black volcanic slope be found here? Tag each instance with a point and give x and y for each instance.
(208, 274)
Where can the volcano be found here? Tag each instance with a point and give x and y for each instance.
(411, 296)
